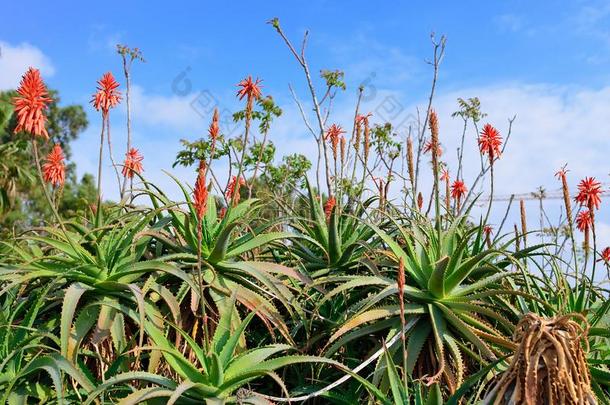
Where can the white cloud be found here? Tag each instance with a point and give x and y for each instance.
(16, 59)
(175, 112)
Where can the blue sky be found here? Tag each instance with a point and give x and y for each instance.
(545, 62)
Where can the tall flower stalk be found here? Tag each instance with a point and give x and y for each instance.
(200, 202)
(251, 89)
(128, 55)
(106, 97)
(589, 196)
(333, 136)
(490, 142)
(403, 321)
(434, 150)
(445, 178)
(30, 104)
(458, 191)
(561, 175)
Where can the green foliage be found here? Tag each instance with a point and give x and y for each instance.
(287, 294)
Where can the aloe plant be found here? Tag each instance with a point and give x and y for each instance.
(337, 244)
(217, 373)
(229, 252)
(455, 288)
(28, 349)
(100, 264)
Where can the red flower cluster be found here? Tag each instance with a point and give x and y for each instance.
(54, 169)
(584, 221)
(107, 95)
(605, 255)
(30, 103)
(200, 192)
(249, 88)
(133, 163)
(589, 192)
(444, 175)
(490, 142)
(458, 189)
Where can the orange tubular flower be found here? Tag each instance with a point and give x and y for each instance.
(328, 207)
(490, 142)
(333, 133)
(107, 95)
(54, 168)
(30, 103)
(233, 188)
(458, 190)
(444, 175)
(200, 193)
(249, 88)
(133, 163)
(589, 192)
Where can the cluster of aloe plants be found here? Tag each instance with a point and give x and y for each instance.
(342, 287)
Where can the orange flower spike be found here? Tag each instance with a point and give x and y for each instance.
(214, 127)
(589, 193)
(200, 192)
(333, 134)
(30, 103)
(490, 142)
(133, 163)
(561, 175)
(328, 207)
(107, 95)
(54, 168)
(233, 188)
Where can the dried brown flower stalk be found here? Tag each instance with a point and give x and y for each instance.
(523, 222)
(549, 365)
